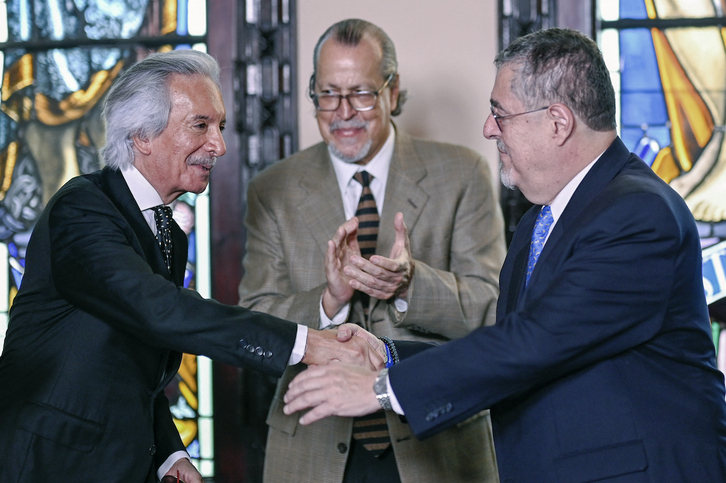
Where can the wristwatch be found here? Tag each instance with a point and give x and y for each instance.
(381, 389)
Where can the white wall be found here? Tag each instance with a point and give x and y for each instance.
(445, 53)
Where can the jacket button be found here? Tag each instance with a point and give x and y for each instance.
(152, 450)
(242, 343)
(268, 354)
(342, 448)
(250, 348)
(259, 351)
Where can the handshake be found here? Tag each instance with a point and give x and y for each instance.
(349, 343)
(345, 387)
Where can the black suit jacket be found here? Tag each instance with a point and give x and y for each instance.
(603, 369)
(96, 332)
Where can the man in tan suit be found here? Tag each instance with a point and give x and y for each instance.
(433, 277)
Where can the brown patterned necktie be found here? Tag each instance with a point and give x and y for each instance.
(367, 214)
(162, 216)
(368, 221)
(371, 431)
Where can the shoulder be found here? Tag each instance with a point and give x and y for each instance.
(637, 197)
(443, 162)
(293, 167)
(429, 150)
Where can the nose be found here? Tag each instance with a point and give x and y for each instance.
(216, 144)
(491, 128)
(345, 109)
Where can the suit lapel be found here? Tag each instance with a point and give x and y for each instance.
(403, 192)
(118, 191)
(180, 246)
(601, 173)
(320, 203)
(515, 266)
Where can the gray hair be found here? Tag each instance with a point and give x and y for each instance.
(350, 32)
(562, 65)
(139, 102)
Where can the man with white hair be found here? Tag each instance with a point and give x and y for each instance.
(100, 322)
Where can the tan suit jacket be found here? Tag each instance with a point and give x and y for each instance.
(456, 232)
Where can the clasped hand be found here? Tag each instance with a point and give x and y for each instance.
(349, 343)
(380, 277)
(336, 389)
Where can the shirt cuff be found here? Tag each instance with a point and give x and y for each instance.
(401, 305)
(301, 341)
(337, 319)
(392, 397)
(173, 458)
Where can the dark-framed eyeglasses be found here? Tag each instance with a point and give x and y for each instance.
(498, 118)
(359, 100)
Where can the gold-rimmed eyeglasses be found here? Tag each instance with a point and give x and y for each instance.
(498, 118)
(359, 100)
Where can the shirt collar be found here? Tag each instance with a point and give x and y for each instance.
(142, 191)
(563, 197)
(378, 166)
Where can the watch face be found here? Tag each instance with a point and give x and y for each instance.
(380, 386)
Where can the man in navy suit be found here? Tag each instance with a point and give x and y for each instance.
(99, 325)
(600, 366)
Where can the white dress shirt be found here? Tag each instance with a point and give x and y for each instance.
(350, 191)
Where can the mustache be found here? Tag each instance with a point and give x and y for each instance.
(206, 161)
(501, 147)
(349, 124)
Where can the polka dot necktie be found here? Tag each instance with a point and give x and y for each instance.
(539, 234)
(162, 216)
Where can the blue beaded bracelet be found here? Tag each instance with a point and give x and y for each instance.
(391, 351)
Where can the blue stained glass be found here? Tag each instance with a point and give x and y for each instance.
(8, 130)
(182, 21)
(114, 19)
(642, 100)
(643, 107)
(647, 149)
(633, 9)
(631, 135)
(638, 62)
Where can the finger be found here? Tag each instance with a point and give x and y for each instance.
(379, 289)
(387, 264)
(316, 414)
(346, 332)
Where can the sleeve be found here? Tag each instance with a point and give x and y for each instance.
(607, 295)
(455, 301)
(266, 285)
(98, 265)
(166, 435)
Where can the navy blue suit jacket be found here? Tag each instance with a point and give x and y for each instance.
(97, 331)
(603, 369)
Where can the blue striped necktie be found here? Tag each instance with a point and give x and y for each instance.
(539, 235)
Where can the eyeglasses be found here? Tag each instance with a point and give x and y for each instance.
(359, 100)
(498, 118)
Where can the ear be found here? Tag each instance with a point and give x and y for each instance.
(395, 90)
(142, 145)
(563, 122)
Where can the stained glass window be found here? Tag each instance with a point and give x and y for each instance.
(668, 63)
(58, 59)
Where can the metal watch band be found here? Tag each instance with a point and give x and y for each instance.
(381, 390)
